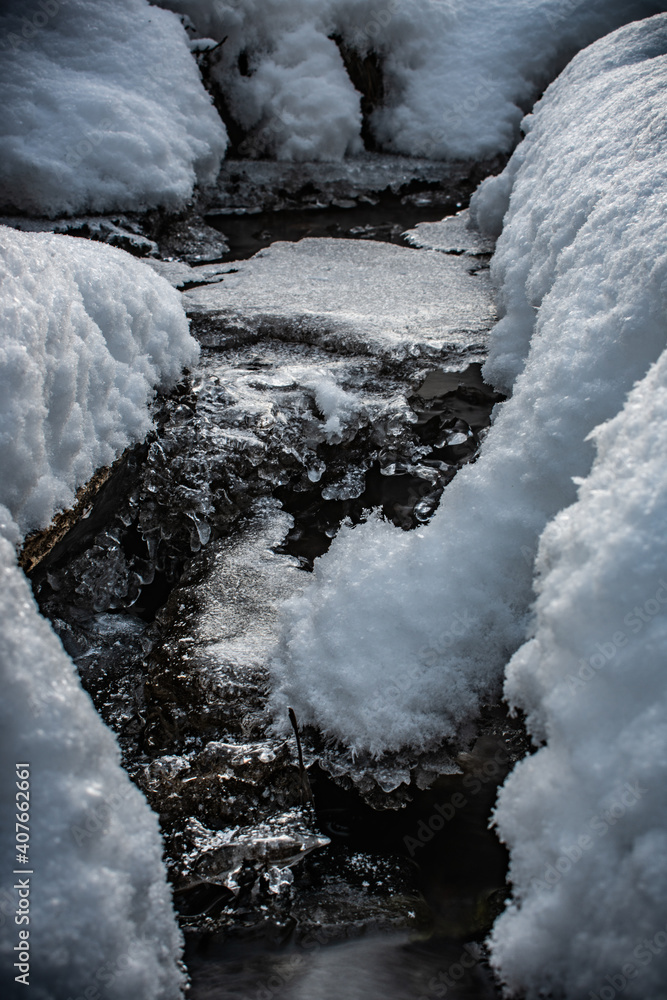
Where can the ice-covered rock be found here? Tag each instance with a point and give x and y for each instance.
(455, 235)
(378, 298)
(103, 108)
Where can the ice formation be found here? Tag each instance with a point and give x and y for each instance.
(103, 108)
(88, 332)
(456, 77)
(369, 298)
(581, 269)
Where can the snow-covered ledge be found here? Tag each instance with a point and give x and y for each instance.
(87, 333)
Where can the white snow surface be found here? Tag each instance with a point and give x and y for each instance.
(88, 331)
(101, 921)
(582, 267)
(102, 108)
(458, 74)
(584, 818)
(361, 295)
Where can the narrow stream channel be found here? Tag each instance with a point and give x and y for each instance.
(165, 594)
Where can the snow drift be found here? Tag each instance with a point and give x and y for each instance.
(87, 332)
(101, 918)
(456, 76)
(581, 266)
(103, 108)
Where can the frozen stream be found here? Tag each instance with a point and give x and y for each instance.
(336, 377)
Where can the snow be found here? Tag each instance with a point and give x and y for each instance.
(592, 680)
(436, 613)
(457, 75)
(102, 108)
(101, 918)
(89, 331)
(370, 298)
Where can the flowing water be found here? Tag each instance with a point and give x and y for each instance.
(167, 594)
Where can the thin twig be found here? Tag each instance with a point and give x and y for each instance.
(303, 774)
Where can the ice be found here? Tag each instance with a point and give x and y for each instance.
(375, 298)
(455, 235)
(101, 916)
(254, 185)
(436, 613)
(103, 109)
(89, 332)
(453, 79)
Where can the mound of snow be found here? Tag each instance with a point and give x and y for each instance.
(582, 265)
(456, 76)
(88, 332)
(103, 108)
(100, 918)
(585, 817)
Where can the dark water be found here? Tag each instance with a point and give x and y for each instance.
(385, 221)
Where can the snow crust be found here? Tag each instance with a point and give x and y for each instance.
(102, 108)
(436, 613)
(88, 332)
(457, 76)
(371, 298)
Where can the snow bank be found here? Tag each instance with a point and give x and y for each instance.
(100, 913)
(582, 264)
(456, 75)
(585, 817)
(88, 332)
(103, 108)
